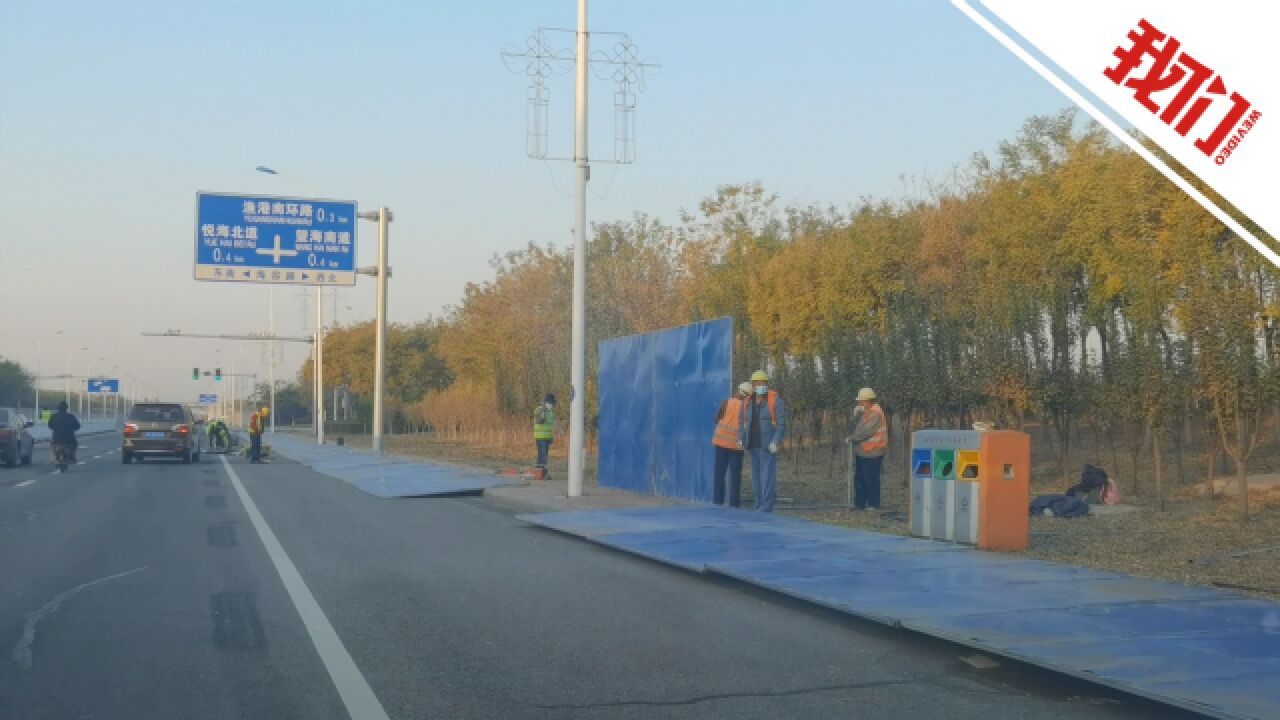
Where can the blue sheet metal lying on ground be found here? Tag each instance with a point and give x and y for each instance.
(385, 476)
(1198, 648)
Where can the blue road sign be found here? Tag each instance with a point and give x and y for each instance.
(104, 386)
(276, 240)
(208, 399)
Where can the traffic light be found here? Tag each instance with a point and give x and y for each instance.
(217, 374)
(195, 373)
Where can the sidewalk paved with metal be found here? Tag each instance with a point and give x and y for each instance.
(1197, 648)
(385, 475)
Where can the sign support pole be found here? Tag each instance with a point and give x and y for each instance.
(384, 217)
(319, 365)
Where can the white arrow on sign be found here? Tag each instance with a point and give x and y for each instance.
(276, 252)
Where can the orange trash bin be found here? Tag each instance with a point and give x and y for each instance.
(1004, 490)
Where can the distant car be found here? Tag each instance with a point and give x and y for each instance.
(161, 429)
(16, 443)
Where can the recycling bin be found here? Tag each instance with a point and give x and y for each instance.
(934, 468)
(921, 483)
(967, 505)
(971, 487)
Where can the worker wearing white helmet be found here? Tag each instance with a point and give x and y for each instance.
(870, 441)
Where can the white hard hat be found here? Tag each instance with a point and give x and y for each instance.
(866, 394)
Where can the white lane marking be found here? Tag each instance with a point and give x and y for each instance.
(352, 687)
(25, 483)
(22, 650)
(82, 462)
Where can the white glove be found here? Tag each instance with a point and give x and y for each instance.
(739, 444)
(773, 448)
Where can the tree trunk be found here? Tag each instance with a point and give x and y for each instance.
(1242, 466)
(1210, 455)
(1155, 445)
(1177, 456)
(1186, 422)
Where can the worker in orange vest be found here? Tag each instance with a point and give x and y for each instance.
(729, 448)
(257, 424)
(870, 441)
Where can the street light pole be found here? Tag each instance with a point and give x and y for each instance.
(66, 376)
(86, 400)
(578, 363)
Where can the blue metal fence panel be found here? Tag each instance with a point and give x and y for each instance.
(658, 397)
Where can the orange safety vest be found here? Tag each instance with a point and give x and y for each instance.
(879, 440)
(727, 428)
(255, 424)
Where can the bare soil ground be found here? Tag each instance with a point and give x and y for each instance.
(1195, 539)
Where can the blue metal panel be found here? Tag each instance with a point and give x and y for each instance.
(1193, 647)
(1120, 620)
(625, 420)
(422, 486)
(386, 476)
(658, 397)
(1247, 695)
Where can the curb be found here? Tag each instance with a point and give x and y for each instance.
(517, 505)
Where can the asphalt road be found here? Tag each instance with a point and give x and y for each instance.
(157, 590)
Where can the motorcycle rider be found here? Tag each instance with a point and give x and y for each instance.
(64, 426)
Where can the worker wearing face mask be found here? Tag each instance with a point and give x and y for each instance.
(762, 432)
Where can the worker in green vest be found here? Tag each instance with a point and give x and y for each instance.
(544, 431)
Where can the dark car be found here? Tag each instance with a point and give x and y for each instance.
(16, 443)
(161, 429)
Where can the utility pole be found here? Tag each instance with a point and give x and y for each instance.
(621, 62)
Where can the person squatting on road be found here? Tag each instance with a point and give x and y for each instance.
(544, 433)
(870, 441)
(729, 447)
(219, 436)
(63, 440)
(763, 429)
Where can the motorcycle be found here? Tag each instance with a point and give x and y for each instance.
(64, 454)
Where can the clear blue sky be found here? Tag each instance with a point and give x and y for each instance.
(114, 114)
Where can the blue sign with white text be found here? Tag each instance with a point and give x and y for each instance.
(284, 240)
(104, 386)
(207, 399)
